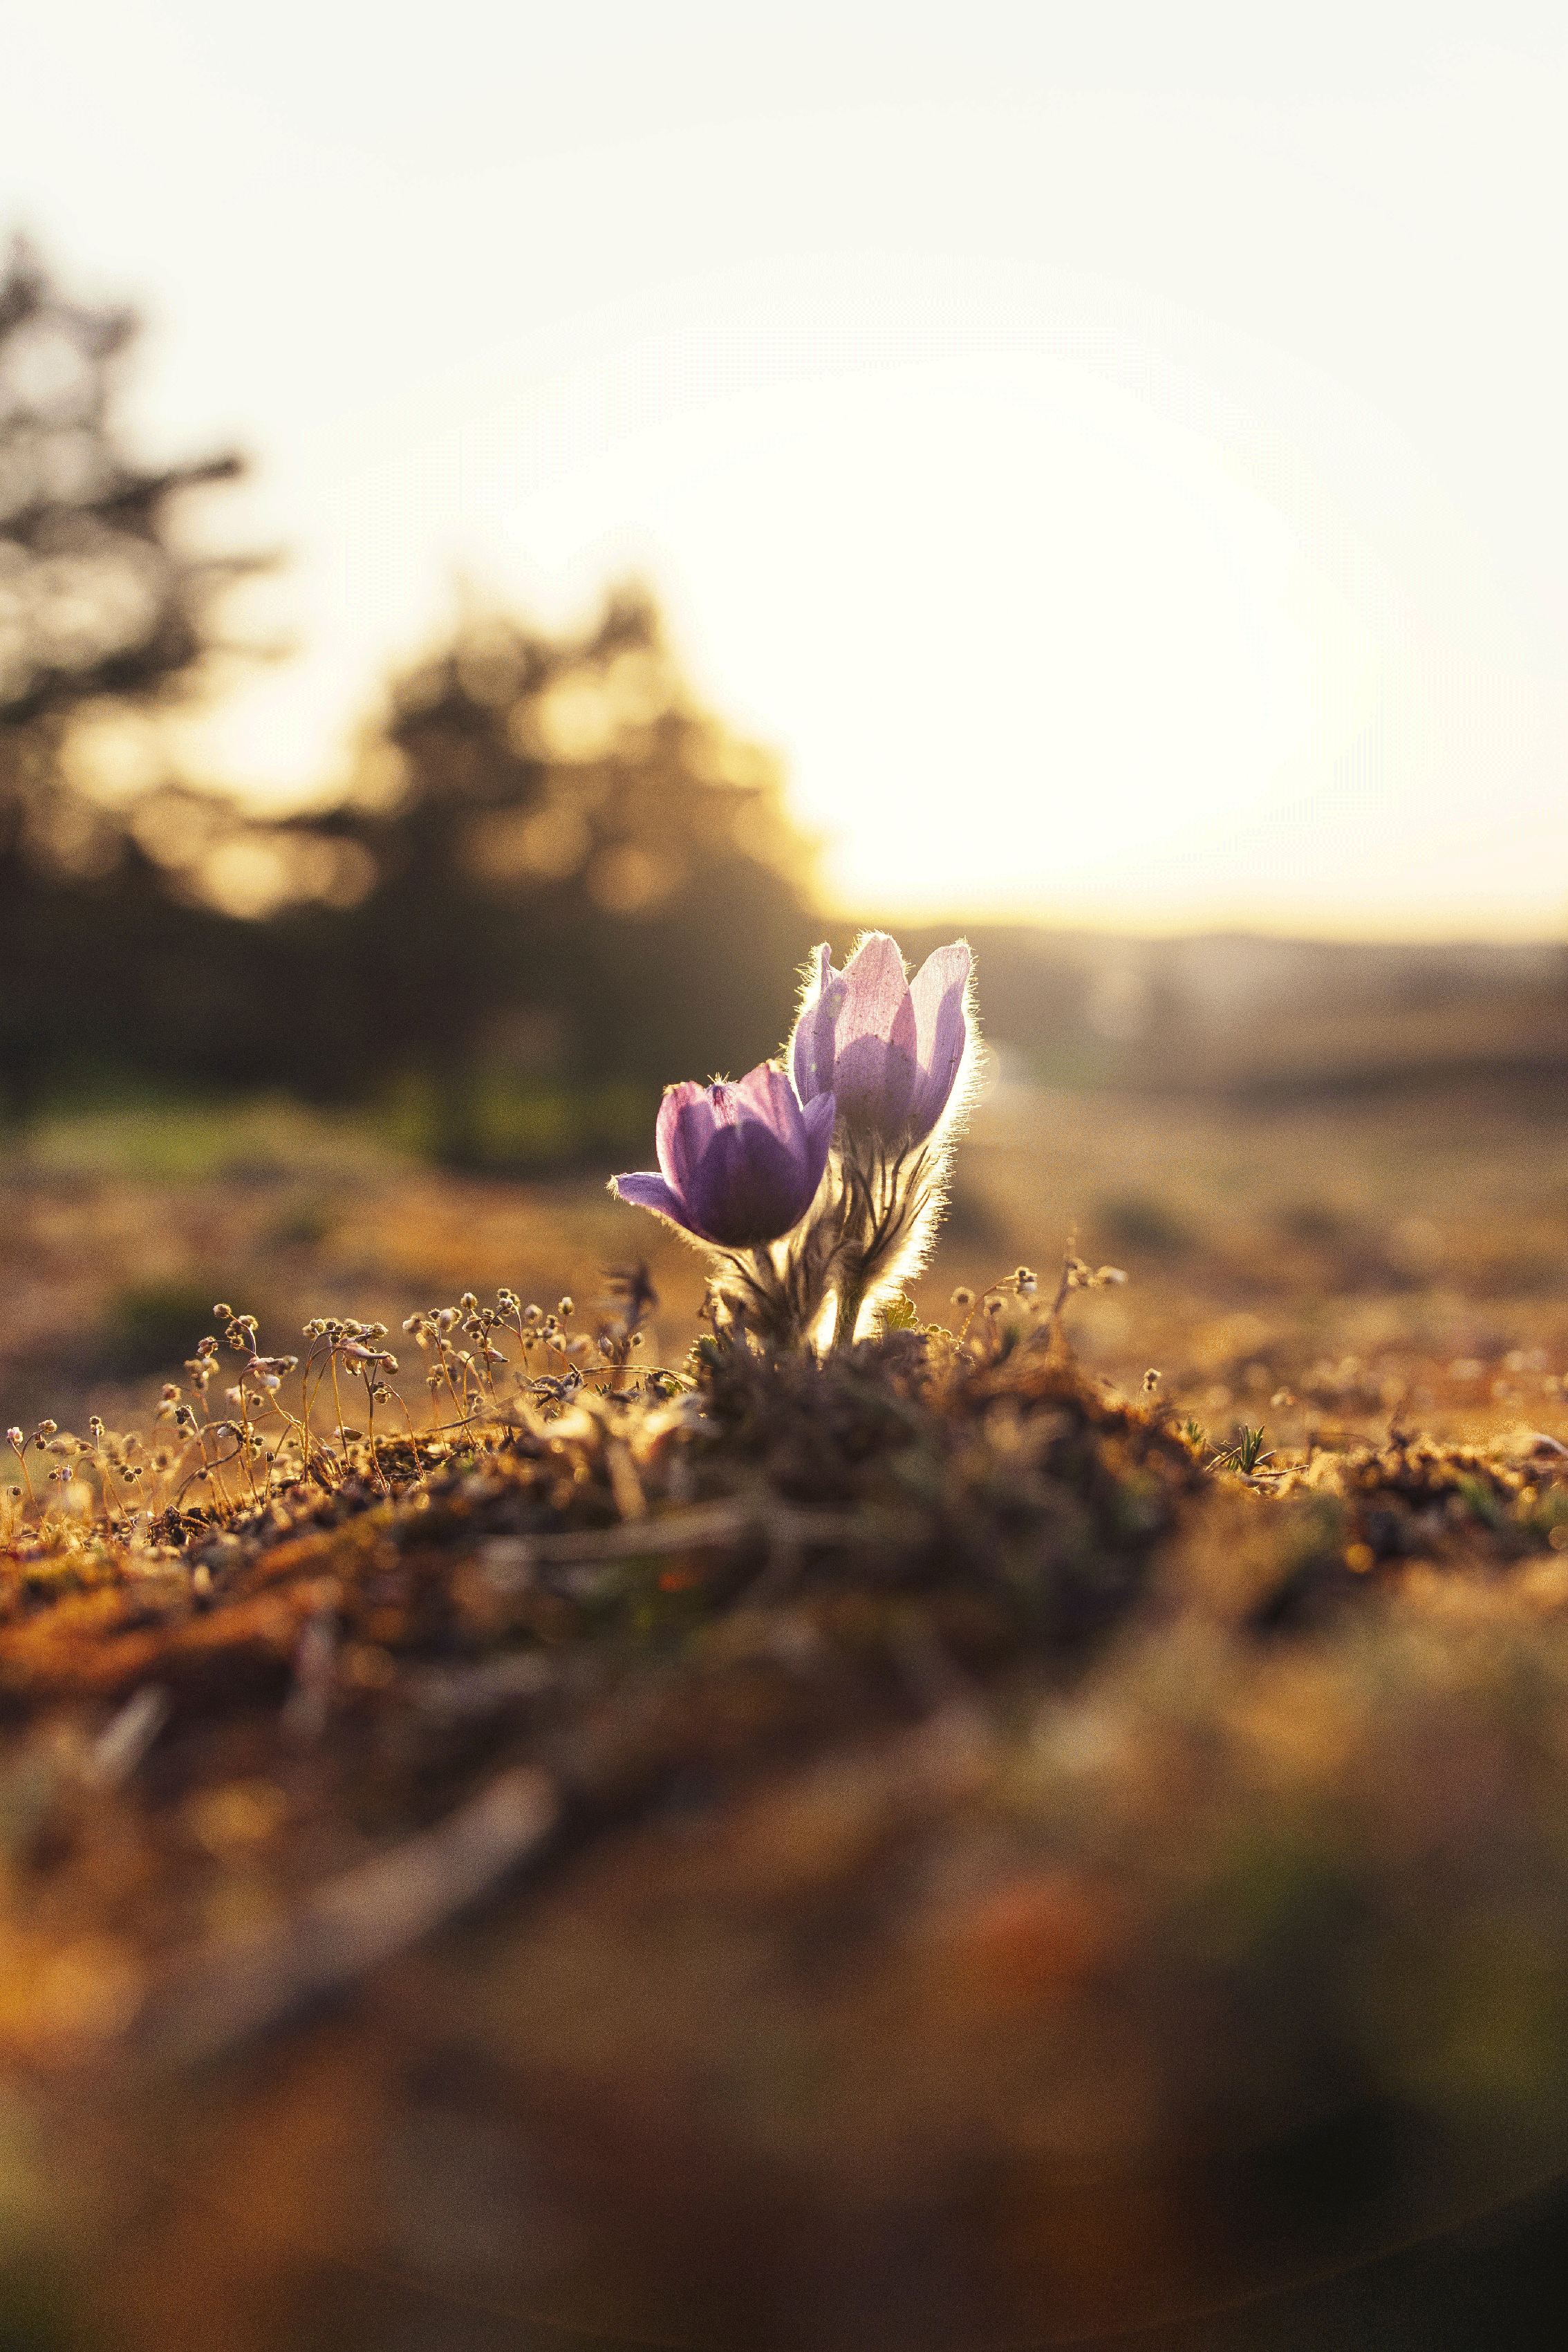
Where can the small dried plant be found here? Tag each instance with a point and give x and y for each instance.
(289, 1432)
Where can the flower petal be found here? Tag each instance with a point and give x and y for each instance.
(817, 1120)
(811, 1047)
(938, 991)
(876, 988)
(685, 1129)
(874, 1060)
(644, 1190)
(766, 1095)
(747, 1189)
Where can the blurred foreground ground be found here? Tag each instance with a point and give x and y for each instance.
(1371, 1254)
(956, 1866)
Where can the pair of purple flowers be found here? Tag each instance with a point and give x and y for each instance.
(875, 1060)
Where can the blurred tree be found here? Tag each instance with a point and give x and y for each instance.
(577, 884)
(95, 597)
(557, 883)
(100, 610)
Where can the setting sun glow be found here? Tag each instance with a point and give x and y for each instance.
(1120, 474)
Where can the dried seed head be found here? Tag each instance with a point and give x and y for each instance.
(224, 1314)
(564, 1308)
(1150, 1382)
(963, 1296)
(14, 1439)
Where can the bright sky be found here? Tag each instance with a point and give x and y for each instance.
(1117, 454)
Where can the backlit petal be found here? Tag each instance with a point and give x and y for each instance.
(644, 1190)
(766, 1095)
(942, 1031)
(874, 1061)
(876, 991)
(812, 1046)
(817, 1120)
(684, 1132)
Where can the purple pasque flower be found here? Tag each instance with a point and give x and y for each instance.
(741, 1163)
(889, 1049)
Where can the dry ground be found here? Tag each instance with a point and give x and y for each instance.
(1012, 1878)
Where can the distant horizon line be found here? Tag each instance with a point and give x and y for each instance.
(1114, 931)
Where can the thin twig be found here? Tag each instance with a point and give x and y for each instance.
(718, 1523)
(230, 1991)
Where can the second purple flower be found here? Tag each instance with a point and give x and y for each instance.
(740, 1165)
(887, 1048)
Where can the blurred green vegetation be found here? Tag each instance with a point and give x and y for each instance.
(142, 1133)
(519, 1125)
(150, 1324)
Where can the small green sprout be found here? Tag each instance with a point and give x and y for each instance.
(1245, 1455)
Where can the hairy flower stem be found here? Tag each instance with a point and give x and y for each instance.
(780, 1290)
(892, 1200)
(851, 1298)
